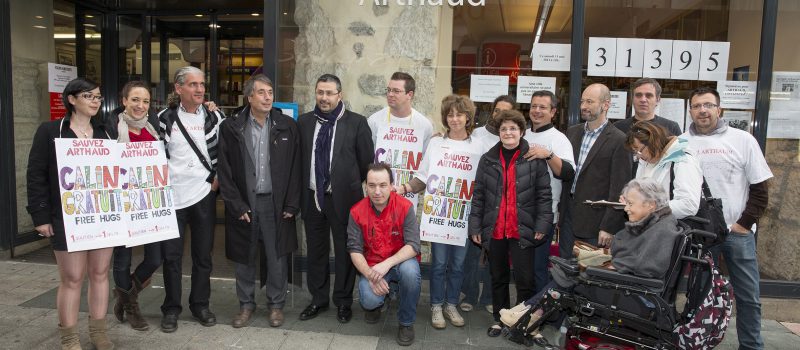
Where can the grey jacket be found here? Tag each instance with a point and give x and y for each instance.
(644, 248)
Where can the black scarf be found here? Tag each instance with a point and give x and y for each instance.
(322, 149)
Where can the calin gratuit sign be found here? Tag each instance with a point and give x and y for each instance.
(114, 194)
(401, 149)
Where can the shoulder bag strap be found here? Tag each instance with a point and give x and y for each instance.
(191, 143)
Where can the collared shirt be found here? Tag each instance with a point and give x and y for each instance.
(589, 137)
(260, 137)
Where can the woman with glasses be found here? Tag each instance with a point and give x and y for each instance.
(668, 161)
(82, 100)
(447, 261)
(511, 212)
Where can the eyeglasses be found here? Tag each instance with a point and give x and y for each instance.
(638, 152)
(509, 129)
(707, 105)
(327, 93)
(540, 107)
(91, 97)
(394, 91)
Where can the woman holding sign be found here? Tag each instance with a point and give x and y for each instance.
(511, 212)
(447, 173)
(133, 122)
(82, 100)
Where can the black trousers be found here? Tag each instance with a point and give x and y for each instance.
(318, 225)
(122, 265)
(523, 260)
(201, 218)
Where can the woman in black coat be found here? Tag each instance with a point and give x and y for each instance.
(511, 211)
(82, 100)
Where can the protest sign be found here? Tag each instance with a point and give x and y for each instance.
(400, 147)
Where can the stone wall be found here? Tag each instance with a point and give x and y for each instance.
(779, 229)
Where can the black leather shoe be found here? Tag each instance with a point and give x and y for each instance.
(169, 323)
(205, 317)
(372, 316)
(344, 314)
(405, 335)
(311, 311)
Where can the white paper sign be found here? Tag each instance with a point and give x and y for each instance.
(400, 147)
(630, 54)
(741, 120)
(447, 200)
(657, 58)
(685, 59)
(619, 99)
(737, 94)
(785, 95)
(602, 57)
(550, 57)
(114, 194)
(58, 75)
(714, 61)
(526, 86)
(673, 109)
(485, 88)
(783, 125)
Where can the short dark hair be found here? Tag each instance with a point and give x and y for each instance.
(511, 115)
(546, 93)
(75, 87)
(504, 98)
(410, 83)
(329, 78)
(702, 91)
(250, 83)
(376, 167)
(644, 81)
(462, 104)
(126, 89)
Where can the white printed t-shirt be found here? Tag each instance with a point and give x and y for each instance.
(470, 145)
(421, 124)
(187, 174)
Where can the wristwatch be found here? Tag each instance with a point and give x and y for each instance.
(550, 156)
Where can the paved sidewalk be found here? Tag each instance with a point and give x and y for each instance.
(28, 321)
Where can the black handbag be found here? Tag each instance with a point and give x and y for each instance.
(709, 217)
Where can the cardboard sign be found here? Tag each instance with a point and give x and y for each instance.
(400, 148)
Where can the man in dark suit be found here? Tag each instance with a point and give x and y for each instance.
(259, 177)
(602, 168)
(337, 148)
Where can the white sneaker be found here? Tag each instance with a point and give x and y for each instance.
(437, 319)
(466, 307)
(451, 313)
(489, 309)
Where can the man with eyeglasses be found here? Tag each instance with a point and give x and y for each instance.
(736, 171)
(190, 132)
(645, 97)
(331, 186)
(547, 143)
(400, 132)
(602, 168)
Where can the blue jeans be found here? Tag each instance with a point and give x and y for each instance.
(740, 256)
(473, 276)
(541, 258)
(407, 275)
(447, 267)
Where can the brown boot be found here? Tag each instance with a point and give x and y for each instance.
(119, 311)
(98, 335)
(135, 317)
(69, 338)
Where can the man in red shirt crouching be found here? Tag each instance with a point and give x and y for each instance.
(383, 241)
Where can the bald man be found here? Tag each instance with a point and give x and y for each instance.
(602, 168)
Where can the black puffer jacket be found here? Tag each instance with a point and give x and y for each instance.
(534, 199)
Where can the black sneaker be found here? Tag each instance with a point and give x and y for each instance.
(169, 323)
(372, 316)
(405, 335)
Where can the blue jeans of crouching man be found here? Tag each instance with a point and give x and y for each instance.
(408, 278)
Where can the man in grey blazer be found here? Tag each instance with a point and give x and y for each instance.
(337, 148)
(602, 168)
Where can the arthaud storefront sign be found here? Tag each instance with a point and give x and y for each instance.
(425, 2)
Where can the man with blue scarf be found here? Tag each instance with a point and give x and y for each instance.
(337, 148)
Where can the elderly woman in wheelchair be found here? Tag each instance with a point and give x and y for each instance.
(644, 249)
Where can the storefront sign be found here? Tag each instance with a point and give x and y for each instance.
(526, 86)
(619, 100)
(400, 148)
(58, 75)
(550, 57)
(630, 55)
(447, 201)
(114, 194)
(485, 88)
(714, 61)
(685, 59)
(737, 94)
(500, 59)
(657, 58)
(602, 57)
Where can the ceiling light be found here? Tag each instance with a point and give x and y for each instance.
(62, 13)
(38, 17)
(285, 13)
(40, 27)
(214, 26)
(89, 25)
(254, 14)
(198, 15)
(89, 16)
(72, 36)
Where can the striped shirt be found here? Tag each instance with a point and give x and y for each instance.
(589, 137)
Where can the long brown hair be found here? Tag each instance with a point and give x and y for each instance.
(653, 136)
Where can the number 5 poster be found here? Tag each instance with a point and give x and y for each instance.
(114, 194)
(448, 197)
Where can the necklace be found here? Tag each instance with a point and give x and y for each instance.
(82, 131)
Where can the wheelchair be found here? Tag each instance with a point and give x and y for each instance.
(605, 309)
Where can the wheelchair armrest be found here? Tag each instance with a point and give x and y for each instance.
(624, 278)
(569, 266)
